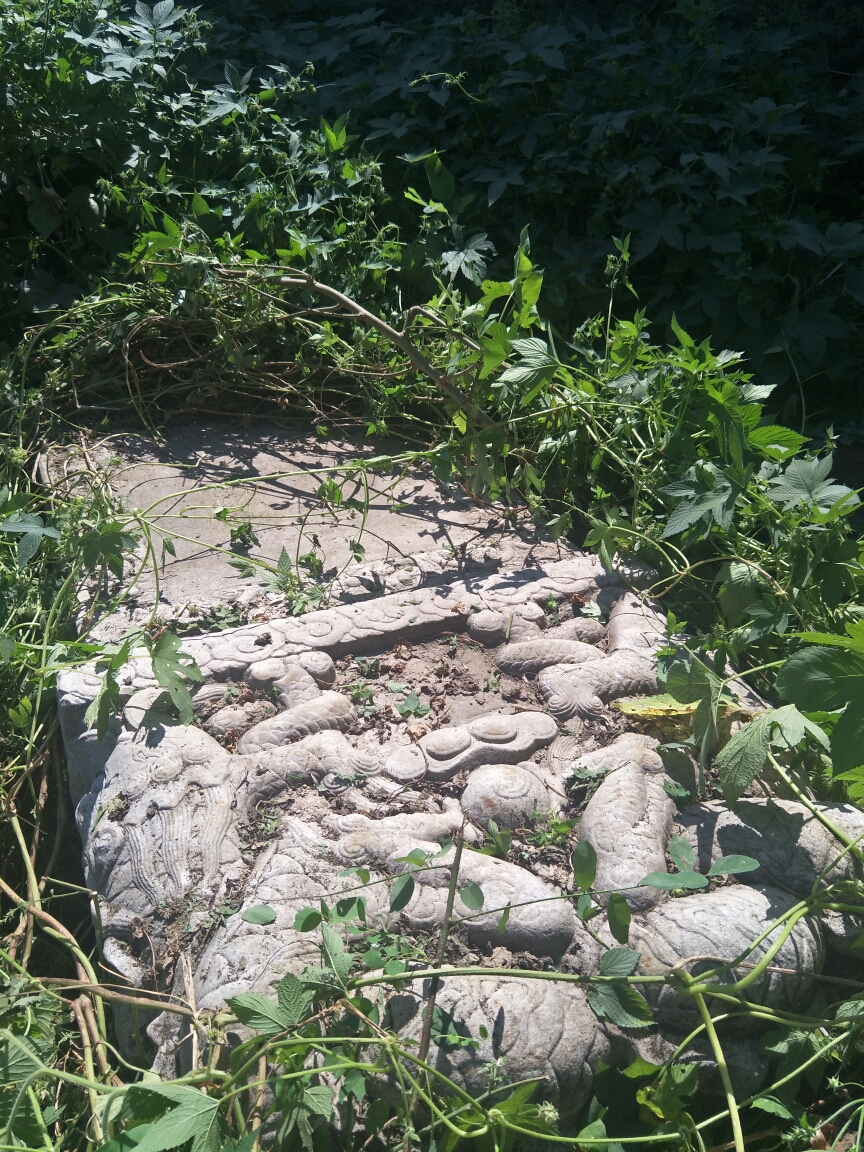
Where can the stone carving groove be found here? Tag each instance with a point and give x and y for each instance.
(172, 820)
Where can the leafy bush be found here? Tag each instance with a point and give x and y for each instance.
(722, 138)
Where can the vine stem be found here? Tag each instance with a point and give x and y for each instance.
(723, 1069)
(838, 833)
(426, 1034)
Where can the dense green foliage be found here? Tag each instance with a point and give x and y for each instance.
(728, 143)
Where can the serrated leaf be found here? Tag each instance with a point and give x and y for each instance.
(471, 896)
(172, 672)
(258, 914)
(733, 865)
(584, 861)
(18, 1059)
(805, 483)
(776, 442)
(259, 1012)
(293, 997)
(772, 1105)
(620, 1005)
(683, 856)
(195, 1117)
(618, 917)
(743, 757)
(401, 892)
(619, 962)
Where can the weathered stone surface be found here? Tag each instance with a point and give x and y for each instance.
(172, 821)
(530, 656)
(543, 1030)
(628, 822)
(326, 710)
(582, 628)
(635, 632)
(505, 793)
(489, 739)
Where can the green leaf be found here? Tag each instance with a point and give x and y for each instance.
(776, 442)
(618, 917)
(772, 1105)
(19, 1058)
(258, 914)
(737, 592)
(683, 856)
(668, 882)
(743, 757)
(195, 1117)
(620, 1005)
(171, 672)
(822, 678)
(733, 865)
(401, 892)
(259, 1012)
(335, 955)
(804, 483)
(504, 919)
(472, 896)
(619, 962)
(31, 530)
(440, 180)
(307, 919)
(495, 343)
(826, 678)
(294, 998)
(584, 861)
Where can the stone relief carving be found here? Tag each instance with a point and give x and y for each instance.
(170, 821)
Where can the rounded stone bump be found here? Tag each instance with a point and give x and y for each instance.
(505, 793)
(406, 764)
(446, 742)
(320, 667)
(263, 674)
(493, 729)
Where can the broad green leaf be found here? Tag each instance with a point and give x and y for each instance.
(619, 962)
(596, 1130)
(31, 529)
(805, 483)
(733, 865)
(294, 998)
(259, 1012)
(172, 671)
(618, 917)
(683, 856)
(195, 1118)
(401, 892)
(619, 1004)
(772, 1105)
(743, 757)
(776, 442)
(822, 678)
(440, 180)
(19, 1058)
(669, 881)
(847, 738)
(472, 896)
(495, 343)
(584, 861)
(307, 919)
(258, 914)
(737, 591)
